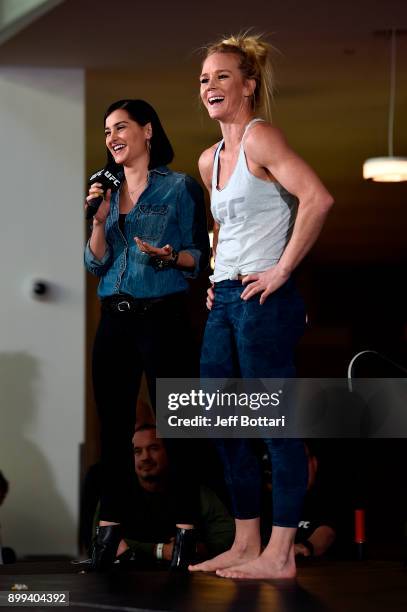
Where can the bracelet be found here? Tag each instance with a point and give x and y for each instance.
(160, 264)
(159, 551)
(174, 257)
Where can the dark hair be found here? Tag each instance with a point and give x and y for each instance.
(161, 152)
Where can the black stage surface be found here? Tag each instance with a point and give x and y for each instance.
(339, 586)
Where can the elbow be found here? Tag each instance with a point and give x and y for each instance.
(324, 203)
(320, 203)
(328, 202)
(98, 272)
(192, 271)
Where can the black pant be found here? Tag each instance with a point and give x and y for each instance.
(158, 342)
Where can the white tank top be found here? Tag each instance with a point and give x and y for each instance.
(255, 216)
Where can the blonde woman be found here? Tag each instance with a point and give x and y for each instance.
(269, 207)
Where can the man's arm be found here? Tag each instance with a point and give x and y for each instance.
(321, 539)
(217, 525)
(148, 550)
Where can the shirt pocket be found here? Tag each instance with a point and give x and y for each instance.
(151, 221)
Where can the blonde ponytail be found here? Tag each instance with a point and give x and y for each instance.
(255, 63)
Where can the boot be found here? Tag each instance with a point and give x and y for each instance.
(184, 551)
(104, 547)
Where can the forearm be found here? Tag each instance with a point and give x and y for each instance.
(219, 526)
(321, 539)
(144, 549)
(185, 260)
(97, 242)
(308, 225)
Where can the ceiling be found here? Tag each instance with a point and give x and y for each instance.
(332, 78)
(15, 16)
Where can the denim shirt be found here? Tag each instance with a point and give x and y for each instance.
(171, 210)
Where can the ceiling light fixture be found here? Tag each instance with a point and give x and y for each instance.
(390, 169)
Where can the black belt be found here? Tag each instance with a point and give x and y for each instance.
(122, 303)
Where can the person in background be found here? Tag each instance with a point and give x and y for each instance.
(149, 523)
(318, 526)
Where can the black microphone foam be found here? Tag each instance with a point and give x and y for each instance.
(109, 177)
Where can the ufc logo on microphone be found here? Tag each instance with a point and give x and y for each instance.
(229, 210)
(112, 178)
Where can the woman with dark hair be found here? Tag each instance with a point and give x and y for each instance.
(146, 238)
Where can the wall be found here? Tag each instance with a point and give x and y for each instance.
(41, 340)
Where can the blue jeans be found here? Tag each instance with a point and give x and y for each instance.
(245, 339)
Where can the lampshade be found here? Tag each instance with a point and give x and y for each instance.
(388, 169)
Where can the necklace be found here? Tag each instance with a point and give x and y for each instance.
(137, 187)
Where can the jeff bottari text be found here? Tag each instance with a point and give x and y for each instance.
(230, 421)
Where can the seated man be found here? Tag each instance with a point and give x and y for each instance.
(149, 527)
(317, 529)
(318, 526)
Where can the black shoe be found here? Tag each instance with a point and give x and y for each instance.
(104, 547)
(184, 551)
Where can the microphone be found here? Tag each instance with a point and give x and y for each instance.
(110, 178)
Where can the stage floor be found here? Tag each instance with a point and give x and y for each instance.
(321, 586)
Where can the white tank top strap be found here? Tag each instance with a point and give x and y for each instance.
(242, 155)
(215, 170)
(249, 125)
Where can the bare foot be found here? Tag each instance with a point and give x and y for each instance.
(264, 567)
(232, 557)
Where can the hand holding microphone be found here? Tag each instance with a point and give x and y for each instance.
(107, 179)
(99, 213)
(96, 193)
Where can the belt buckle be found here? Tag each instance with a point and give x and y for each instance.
(123, 303)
